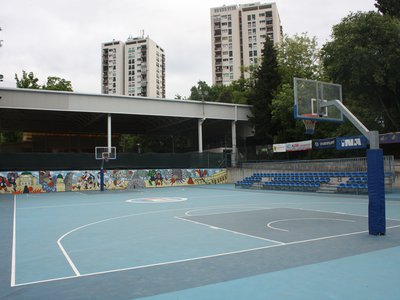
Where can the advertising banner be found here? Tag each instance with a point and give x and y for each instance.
(389, 138)
(299, 146)
(279, 148)
(324, 143)
(351, 142)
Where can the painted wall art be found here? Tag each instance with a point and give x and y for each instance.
(72, 181)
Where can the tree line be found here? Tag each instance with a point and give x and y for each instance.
(363, 56)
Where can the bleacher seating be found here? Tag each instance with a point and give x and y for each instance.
(342, 182)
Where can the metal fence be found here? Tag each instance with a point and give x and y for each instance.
(321, 165)
(87, 161)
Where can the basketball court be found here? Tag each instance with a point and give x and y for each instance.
(209, 241)
(205, 242)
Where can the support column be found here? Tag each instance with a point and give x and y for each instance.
(234, 150)
(373, 139)
(200, 133)
(109, 132)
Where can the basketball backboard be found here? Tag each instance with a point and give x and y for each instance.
(309, 96)
(102, 153)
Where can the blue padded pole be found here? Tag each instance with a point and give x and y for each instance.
(376, 192)
(102, 177)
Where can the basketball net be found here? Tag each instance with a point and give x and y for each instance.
(309, 124)
(106, 157)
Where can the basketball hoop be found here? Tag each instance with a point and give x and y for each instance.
(106, 156)
(310, 124)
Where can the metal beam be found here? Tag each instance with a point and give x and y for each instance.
(372, 136)
(97, 103)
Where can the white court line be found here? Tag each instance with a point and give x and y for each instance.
(256, 208)
(66, 205)
(152, 212)
(67, 257)
(99, 203)
(13, 243)
(339, 213)
(65, 253)
(298, 219)
(196, 258)
(231, 231)
(80, 193)
(71, 263)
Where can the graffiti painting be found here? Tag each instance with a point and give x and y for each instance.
(89, 180)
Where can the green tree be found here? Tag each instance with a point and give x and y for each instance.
(286, 127)
(30, 81)
(237, 92)
(266, 84)
(179, 97)
(27, 81)
(201, 92)
(389, 7)
(299, 56)
(57, 84)
(364, 56)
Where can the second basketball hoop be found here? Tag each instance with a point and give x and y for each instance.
(309, 123)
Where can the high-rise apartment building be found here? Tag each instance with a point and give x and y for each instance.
(112, 68)
(133, 68)
(238, 35)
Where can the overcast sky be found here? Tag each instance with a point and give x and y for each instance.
(63, 38)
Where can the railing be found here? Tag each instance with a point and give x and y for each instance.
(322, 165)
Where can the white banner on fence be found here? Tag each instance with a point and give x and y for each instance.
(279, 147)
(299, 146)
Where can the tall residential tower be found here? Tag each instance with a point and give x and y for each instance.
(133, 68)
(238, 35)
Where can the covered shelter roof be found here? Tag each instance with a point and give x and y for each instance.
(43, 111)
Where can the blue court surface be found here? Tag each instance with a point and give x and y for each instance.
(204, 242)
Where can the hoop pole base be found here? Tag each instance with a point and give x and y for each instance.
(102, 179)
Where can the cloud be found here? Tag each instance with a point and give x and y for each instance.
(63, 38)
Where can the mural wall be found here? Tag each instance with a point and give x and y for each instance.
(63, 181)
